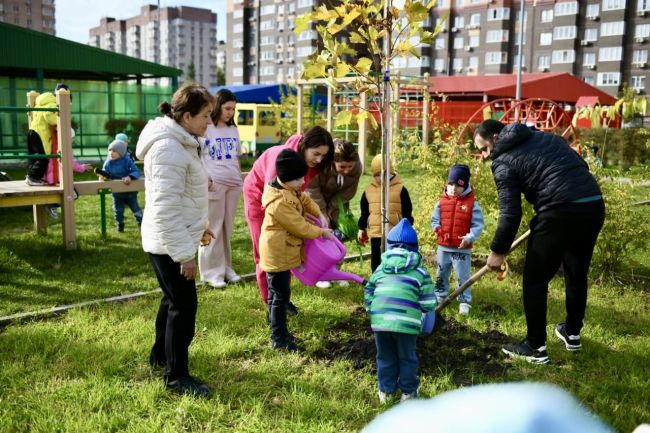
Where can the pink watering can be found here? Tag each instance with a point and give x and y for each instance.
(322, 256)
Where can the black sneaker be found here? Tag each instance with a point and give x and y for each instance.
(572, 342)
(189, 386)
(292, 310)
(288, 345)
(525, 351)
(120, 227)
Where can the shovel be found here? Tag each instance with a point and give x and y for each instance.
(434, 320)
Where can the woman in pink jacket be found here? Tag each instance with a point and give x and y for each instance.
(317, 147)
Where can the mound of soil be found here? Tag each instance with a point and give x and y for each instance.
(453, 348)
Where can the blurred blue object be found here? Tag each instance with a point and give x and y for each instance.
(523, 407)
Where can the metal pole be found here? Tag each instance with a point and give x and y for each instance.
(386, 134)
(520, 50)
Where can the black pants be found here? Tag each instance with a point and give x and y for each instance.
(176, 316)
(36, 168)
(279, 297)
(562, 236)
(375, 253)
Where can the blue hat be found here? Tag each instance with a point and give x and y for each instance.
(122, 137)
(403, 233)
(459, 175)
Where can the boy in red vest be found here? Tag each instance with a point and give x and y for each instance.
(458, 222)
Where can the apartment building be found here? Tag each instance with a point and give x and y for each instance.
(32, 14)
(171, 36)
(262, 47)
(604, 42)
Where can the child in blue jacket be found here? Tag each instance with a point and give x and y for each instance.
(119, 165)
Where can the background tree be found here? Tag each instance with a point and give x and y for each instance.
(190, 73)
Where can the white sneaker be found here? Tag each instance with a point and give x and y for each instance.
(323, 284)
(343, 283)
(234, 279)
(464, 308)
(217, 284)
(409, 396)
(383, 397)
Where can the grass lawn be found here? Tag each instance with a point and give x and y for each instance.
(88, 371)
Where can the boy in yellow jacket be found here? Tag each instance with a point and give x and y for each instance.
(282, 239)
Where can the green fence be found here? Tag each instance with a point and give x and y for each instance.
(94, 103)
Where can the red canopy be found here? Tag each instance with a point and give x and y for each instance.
(559, 86)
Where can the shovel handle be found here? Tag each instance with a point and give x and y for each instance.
(477, 276)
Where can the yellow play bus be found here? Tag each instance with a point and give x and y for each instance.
(258, 126)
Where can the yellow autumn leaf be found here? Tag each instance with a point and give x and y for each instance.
(363, 65)
(302, 23)
(343, 118)
(350, 16)
(342, 69)
(403, 48)
(314, 70)
(355, 38)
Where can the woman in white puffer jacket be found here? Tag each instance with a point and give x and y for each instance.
(174, 223)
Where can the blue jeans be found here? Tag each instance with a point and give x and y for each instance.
(126, 198)
(462, 264)
(397, 362)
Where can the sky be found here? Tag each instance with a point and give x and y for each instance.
(74, 18)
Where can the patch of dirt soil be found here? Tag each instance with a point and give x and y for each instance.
(453, 348)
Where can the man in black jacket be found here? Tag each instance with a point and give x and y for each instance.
(569, 215)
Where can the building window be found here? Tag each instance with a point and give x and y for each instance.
(237, 43)
(563, 56)
(238, 28)
(547, 16)
(238, 72)
(459, 22)
(459, 43)
(498, 14)
(473, 62)
(643, 5)
(593, 10)
(639, 56)
(496, 58)
(239, 13)
(610, 54)
(543, 62)
(589, 59)
(307, 35)
(305, 3)
(589, 80)
(612, 5)
(267, 55)
(267, 25)
(425, 61)
(440, 44)
(267, 70)
(267, 40)
(591, 35)
(642, 31)
(609, 78)
(267, 10)
(237, 57)
(474, 41)
(615, 28)
(566, 8)
(475, 20)
(496, 36)
(545, 38)
(304, 51)
(564, 32)
(638, 82)
(439, 65)
(458, 65)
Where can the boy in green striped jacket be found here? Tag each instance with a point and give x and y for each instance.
(396, 295)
